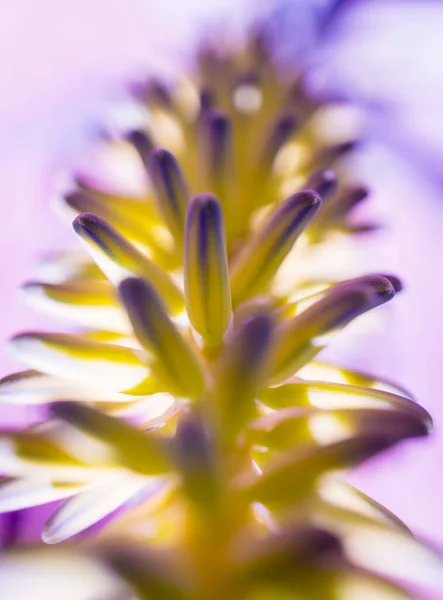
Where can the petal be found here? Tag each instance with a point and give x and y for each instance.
(32, 387)
(207, 289)
(171, 191)
(258, 261)
(175, 363)
(280, 133)
(241, 370)
(117, 258)
(342, 494)
(301, 337)
(218, 158)
(141, 452)
(291, 426)
(195, 458)
(136, 227)
(58, 267)
(294, 475)
(32, 491)
(80, 360)
(324, 182)
(322, 372)
(90, 506)
(90, 303)
(389, 551)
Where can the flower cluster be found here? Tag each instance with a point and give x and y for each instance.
(190, 405)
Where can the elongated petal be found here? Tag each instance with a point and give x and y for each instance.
(196, 461)
(80, 360)
(336, 396)
(140, 452)
(171, 191)
(217, 154)
(90, 506)
(289, 427)
(328, 373)
(207, 289)
(241, 371)
(260, 258)
(338, 492)
(25, 493)
(32, 387)
(176, 365)
(137, 227)
(389, 551)
(280, 133)
(92, 304)
(117, 258)
(300, 338)
(35, 447)
(294, 476)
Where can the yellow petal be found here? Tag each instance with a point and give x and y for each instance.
(259, 259)
(117, 258)
(207, 290)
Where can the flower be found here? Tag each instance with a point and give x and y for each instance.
(193, 398)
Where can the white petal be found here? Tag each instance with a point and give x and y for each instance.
(82, 511)
(25, 493)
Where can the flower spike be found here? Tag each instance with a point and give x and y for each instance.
(186, 415)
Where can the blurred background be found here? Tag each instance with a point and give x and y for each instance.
(65, 63)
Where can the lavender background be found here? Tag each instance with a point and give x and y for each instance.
(62, 62)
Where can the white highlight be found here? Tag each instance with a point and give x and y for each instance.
(247, 98)
(328, 429)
